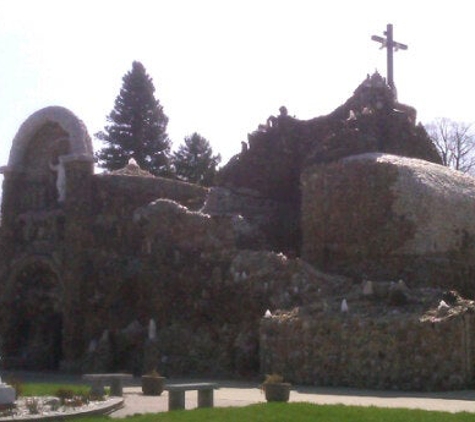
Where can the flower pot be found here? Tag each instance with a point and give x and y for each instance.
(152, 385)
(277, 391)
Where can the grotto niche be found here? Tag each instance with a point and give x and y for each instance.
(34, 333)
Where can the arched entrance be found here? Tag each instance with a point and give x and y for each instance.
(34, 334)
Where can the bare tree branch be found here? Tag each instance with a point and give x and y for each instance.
(455, 142)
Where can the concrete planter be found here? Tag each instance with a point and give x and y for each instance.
(277, 391)
(152, 385)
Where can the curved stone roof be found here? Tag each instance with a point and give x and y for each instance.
(79, 140)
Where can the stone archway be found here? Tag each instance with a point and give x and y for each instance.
(46, 143)
(80, 144)
(34, 332)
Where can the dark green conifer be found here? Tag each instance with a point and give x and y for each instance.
(137, 127)
(194, 161)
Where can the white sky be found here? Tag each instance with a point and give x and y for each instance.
(221, 67)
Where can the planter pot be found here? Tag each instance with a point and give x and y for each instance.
(152, 385)
(277, 391)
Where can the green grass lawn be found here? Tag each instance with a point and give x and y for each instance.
(50, 389)
(299, 412)
(268, 412)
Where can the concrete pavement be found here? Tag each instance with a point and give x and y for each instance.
(233, 393)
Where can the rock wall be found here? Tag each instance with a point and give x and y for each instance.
(387, 217)
(275, 223)
(202, 329)
(141, 190)
(370, 121)
(84, 255)
(278, 152)
(395, 352)
(103, 250)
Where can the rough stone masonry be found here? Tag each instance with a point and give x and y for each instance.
(305, 213)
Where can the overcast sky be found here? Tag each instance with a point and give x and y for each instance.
(222, 67)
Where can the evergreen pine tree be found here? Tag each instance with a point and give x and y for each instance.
(137, 127)
(194, 161)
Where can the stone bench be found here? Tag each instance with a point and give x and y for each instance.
(114, 381)
(176, 394)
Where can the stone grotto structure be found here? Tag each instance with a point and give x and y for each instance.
(330, 251)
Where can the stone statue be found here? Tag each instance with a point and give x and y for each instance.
(273, 121)
(283, 111)
(344, 306)
(152, 330)
(60, 178)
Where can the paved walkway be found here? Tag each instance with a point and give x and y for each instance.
(233, 393)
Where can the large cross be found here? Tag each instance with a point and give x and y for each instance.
(391, 46)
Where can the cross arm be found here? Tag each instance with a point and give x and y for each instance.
(384, 42)
(399, 46)
(378, 39)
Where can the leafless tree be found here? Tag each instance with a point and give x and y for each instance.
(455, 142)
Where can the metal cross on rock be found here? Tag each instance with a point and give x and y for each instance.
(391, 46)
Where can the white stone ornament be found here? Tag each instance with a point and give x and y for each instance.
(443, 305)
(152, 330)
(344, 306)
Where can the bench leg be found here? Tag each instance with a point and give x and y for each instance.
(97, 388)
(205, 398)
(116, 387)
(176, 400)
